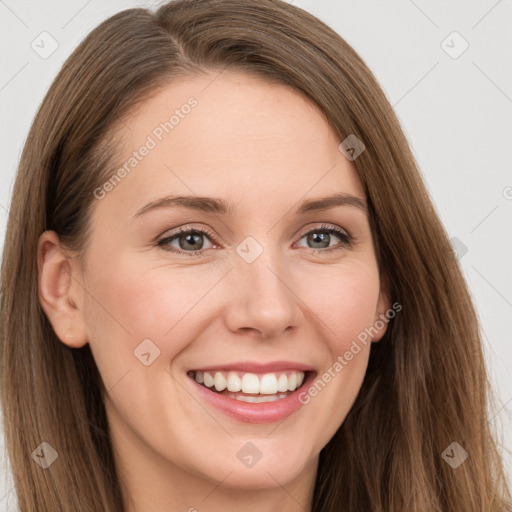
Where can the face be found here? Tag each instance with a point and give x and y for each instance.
(250, 288)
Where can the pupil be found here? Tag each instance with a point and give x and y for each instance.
(319, 238)
(192, 239)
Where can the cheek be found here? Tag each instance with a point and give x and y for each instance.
(345, 301)
(131, 301)
(346, 305)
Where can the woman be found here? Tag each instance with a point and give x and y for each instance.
(225, 287)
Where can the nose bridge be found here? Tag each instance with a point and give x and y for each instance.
(263, 299)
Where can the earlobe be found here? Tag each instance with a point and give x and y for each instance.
(383, 305)
(58, 291)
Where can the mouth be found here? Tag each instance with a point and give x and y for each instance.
(251, 387)
(253, 393)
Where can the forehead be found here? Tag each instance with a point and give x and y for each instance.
(230, 135)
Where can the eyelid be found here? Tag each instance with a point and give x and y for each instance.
(322, 226)
(187, 228)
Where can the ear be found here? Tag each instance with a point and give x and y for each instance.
(381, 320)
(60, 291)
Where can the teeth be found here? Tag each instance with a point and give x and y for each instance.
(219, 382)
(268, 384)
(258, 399)
(208, 379)
(265, 384)
(250, 383)
(234, 382)
(292, 382)
(282, 383)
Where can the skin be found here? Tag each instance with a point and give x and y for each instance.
(265, 148)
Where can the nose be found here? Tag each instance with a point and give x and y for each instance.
(262, 301)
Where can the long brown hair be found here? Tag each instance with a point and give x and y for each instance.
(426, 385)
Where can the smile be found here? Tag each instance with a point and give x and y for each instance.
(252, 396)
(251, 387)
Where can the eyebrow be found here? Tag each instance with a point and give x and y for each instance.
(222, 207)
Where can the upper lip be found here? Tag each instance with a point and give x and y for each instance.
(256, 367)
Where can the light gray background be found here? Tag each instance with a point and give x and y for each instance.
(456, 112)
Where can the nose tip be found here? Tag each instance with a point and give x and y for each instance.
(263, 333)
(263, 302)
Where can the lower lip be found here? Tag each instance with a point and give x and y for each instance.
(265, 412)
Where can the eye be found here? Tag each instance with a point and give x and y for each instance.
(322, 237)
(189, 241)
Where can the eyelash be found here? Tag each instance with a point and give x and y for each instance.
(346, 239)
